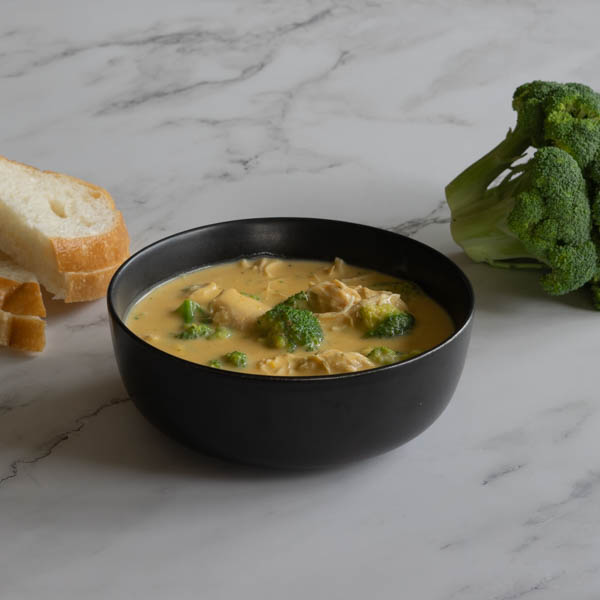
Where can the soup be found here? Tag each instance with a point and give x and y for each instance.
(274, 316)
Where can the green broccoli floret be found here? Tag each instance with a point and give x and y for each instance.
(382, 355)
(372, 314)
(221, 333)
(194, 331)
(398, 323)
(572, 121)
(215, 364)
(237, 358)
(285, 326)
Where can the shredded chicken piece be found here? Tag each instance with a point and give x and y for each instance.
(371, 297)
(337, 305)
(332, 296)
(269, 292)
(204, 293)
(269, 267)
(361, 280)
(338, 269)
(322, 363)
(336, 321)
(232, 309)
(345, 362)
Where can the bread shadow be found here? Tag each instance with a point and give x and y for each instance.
(56, 308)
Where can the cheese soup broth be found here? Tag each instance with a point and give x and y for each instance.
(258, 285)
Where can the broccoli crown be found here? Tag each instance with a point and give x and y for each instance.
(382, 355)
(565, 115)
(285, 326)
(373, 314)
(529, 102)
(237, 358)
(193, 331)
(572, 121)
(221, 333)
(215, 364)
(398, 323)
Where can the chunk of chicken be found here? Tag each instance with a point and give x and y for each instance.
(338, 269)
(337, 361)
(332, 296)
(205, 292)
(270, 267)
(232, 309)
(373, 298)
(323, 363)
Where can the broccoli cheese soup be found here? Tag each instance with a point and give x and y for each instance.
(274, 316)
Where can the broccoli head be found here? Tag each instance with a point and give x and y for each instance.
(373, 313)
(194, 331)
(237, 358)
(398, 323)
(382, 355)
(572, 122)
(285, 326)
(564, 115)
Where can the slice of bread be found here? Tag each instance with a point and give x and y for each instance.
(22, 332)
(66, 231)
(20, 291)
(21, 305)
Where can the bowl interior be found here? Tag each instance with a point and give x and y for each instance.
(315, 239)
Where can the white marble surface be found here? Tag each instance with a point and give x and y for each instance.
(195, 112)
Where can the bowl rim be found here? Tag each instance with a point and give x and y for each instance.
(282, 378)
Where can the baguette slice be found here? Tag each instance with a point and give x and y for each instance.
(22, 332)
(20, 291)
(66, 231)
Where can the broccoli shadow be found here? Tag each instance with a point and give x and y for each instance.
(505, 290)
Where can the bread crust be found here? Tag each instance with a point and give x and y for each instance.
(22, 332)
(93, 252)
(84, 286)
(21, 298)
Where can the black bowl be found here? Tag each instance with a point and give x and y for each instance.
(291, 422)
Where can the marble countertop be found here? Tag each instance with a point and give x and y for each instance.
(191, 113)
